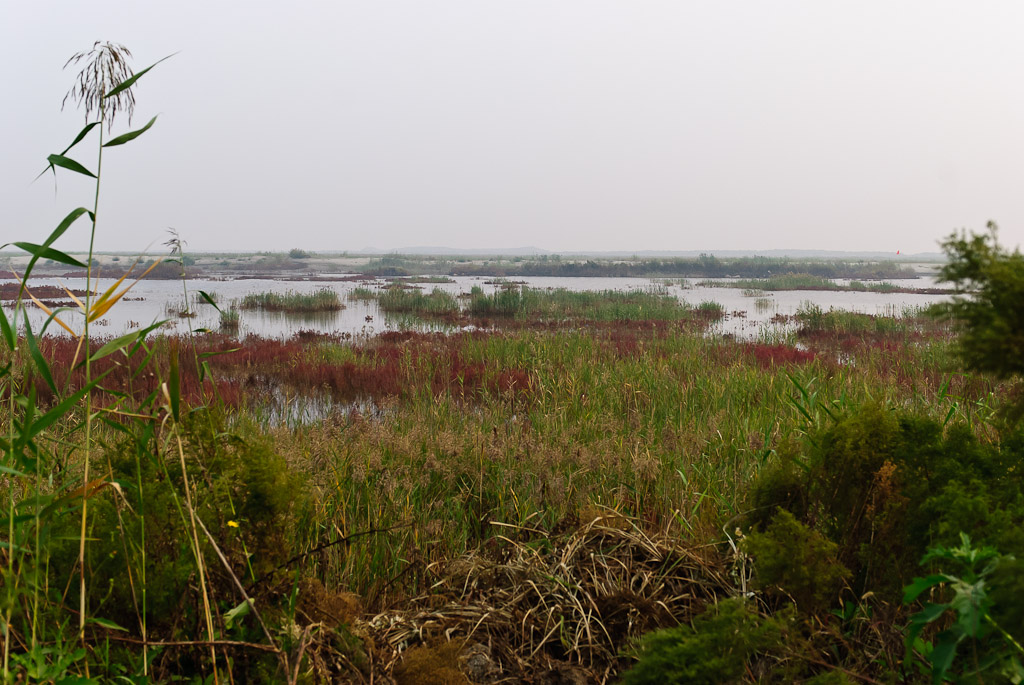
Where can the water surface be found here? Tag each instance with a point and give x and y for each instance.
(158, 300)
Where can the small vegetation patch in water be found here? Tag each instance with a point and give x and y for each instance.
(603, 305)
(424, 279)
(230, 320)
(323, 300)
(414, 301)
(361, 294)
(753, 286)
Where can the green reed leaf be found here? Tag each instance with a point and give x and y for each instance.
(209, 299)
(150, 399)
(82, 134)
(62, 228)
(115, 345)
(216, 353)
(37, 357)
(919, 585)
(50, 417)
(142, 338)
(69, 164)
(24, 437)
(65, 224)
(237, 613)
(173, 383)
(131, 135)
(105, 623)
(125, 85)
(17, 548)
(13, 472)
(6, 330)
(144, 364)
(53, 317)
(116, 425)
(41, 252)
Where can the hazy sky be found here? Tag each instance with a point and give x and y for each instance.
(563, 124)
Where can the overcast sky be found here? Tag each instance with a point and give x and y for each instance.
(561, 124)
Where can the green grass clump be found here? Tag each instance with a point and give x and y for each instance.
(424, 279)
(230, 319)
(814, 320)
(415, 301)
(361, 294)
(711, 308)
(753, 286)
(323, 300)
(559, 304)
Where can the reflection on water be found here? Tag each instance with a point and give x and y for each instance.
(279, 409)
(746, 316)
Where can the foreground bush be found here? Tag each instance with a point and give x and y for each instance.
(714, 649)
(871, 495)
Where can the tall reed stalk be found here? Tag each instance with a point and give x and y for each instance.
(103, 89)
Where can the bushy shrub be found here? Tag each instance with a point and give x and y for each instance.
(242, 491)
(799, 561)
(714, 649)
(884, 487)
(989, 305)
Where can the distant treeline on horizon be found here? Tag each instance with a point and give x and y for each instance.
(704, 266)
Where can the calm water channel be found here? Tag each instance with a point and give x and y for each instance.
(154, 300)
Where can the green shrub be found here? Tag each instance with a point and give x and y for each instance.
(714, 649)
(245, 495)
(989, 305)
(884, 487)
(799, 561)
(987, 651)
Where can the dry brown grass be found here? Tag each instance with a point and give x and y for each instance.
(543, 606)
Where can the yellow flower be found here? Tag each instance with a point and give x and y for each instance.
(232, 524)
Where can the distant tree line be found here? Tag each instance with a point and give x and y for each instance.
(704, 266)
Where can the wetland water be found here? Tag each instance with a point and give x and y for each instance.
(153, 300)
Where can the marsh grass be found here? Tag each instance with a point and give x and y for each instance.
(548, 491)
(424, 279)
(403, 300)
(362, 294)
(797, 281)
(323, 300)
(453, 446)
(560, 304)
(711, 309)
(908, 323)
(230, 320)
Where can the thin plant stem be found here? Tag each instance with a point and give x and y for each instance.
(88, 379)
(10, 584)
(195, 547)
